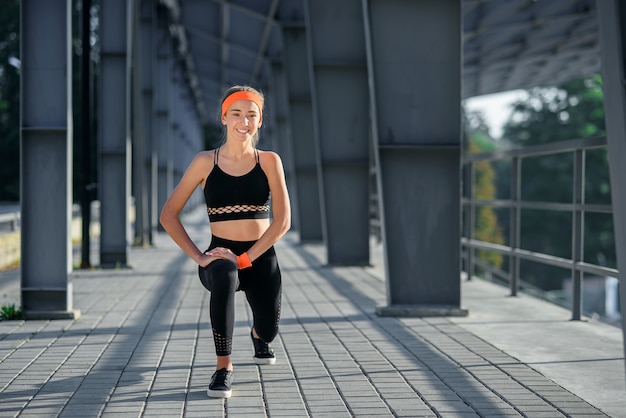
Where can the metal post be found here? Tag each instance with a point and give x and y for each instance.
(114, 138)
(306, 160)
(471, 218)
(85, 198)
(148, 55)
(415, 92)
(340, 99)
(284, 137)
(139, 139)
(578, 220)
(46, 159)
(612, 30)
(515, 223)
(162, 110)
(466, 256)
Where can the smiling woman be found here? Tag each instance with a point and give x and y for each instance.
(237, 180)
(244, 106)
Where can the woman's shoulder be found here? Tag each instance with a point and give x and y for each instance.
(269, 158)
(206, 154)
(202, 163)
(204, 157)
(271, 164)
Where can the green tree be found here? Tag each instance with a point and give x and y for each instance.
(477, 140)
(570, 111)
(476, 132)
(487, 227)
(549, 114)
(9, 100)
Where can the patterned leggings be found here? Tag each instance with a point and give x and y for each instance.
(261, 283)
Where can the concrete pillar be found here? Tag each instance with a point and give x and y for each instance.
(305, 149)
(46, 159)
(414, 67)
(115, 132)
(340, 108)
(612, 31)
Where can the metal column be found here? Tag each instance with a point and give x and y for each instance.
(284, 138)
(187, 138)
(148, 54)
(414, 63)
(142, 93)
(46, 159)
(162, 108)
(144, 151)
(175, 127)
(340, 105)
(114, 128)
(305, 152)
(269, 135)
(612, 27)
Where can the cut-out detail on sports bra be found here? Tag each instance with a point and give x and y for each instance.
(237, 209)
(231, 197)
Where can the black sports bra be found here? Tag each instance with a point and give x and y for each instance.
(237, 197)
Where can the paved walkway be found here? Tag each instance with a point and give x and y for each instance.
(143, 348)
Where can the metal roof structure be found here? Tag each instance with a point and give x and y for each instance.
(507, 44)
(510, 44)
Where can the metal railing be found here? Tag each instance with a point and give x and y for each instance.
(9, 222)
(515, 204)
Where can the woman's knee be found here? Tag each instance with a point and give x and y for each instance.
(268, 335)
(219, 276)
(266, 330)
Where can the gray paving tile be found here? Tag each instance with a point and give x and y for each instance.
(144, 348)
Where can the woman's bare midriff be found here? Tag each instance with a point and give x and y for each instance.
(241, 229)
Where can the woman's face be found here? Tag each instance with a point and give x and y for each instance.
(242, 120)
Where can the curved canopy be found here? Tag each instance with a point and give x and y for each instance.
(508, 44)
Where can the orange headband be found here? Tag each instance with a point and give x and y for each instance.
(242, 95)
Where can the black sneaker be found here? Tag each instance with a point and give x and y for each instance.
(263, 352)
(220, 384)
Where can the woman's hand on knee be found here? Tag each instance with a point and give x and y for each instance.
(207, 259)
(222, 253)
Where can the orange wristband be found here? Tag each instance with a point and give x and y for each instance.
(243, 261)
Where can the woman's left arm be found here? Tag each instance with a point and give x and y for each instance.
(281, 208)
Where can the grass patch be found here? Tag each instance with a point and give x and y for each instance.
(10, 312)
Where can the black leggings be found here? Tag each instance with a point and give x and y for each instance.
(261, 283)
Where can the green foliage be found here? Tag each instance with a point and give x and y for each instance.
(487, 228)
(9, 100)
(10, 312)
(570, 111)
(550, 114)
(476, 131)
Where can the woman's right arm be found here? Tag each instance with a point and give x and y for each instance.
(170, 213)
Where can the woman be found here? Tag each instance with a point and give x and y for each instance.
(237, 180)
